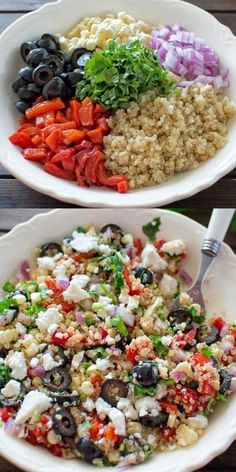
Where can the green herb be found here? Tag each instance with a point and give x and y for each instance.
(195, 317)
(168, 381)
(5, 373)
(25, 286)
(80, 229)
(162, 316)
(121, 447)
(147, 451)
(220, 397)
(86, 365)
(176, 294)
(37, 416)
(207, 351)
(8, 287)
(94, 294)
(99, 352)
(118, 282)
(152, 228)
(108, 293)
(7, 303)
(160, 348)
(210, 407)
(120, 325)
(99, 307)
(114, 263)
(34, 309)
(139, 390)
(89, 320)
(116, 76)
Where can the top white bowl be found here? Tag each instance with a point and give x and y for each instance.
(60, 17)
(219, 294)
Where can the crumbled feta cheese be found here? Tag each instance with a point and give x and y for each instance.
(151, 259)
(47, 318)
(131, 302)
(163, 371)
(151, 440)
(118, 420)
(124, 404)
(166, 340)
(168, 285)
(171, 420)
(103, 364)
(87, 387)
(106, 301)
(147, 404)
(102, 407)
(48, 362)
(35, 297)
(34, 362)
(77, 359)
(83, 242)
(16, 362)
(127, 239)
(161, 391)
(174, 248)
(46, 263)
(11, 389)
(7, 336)
(19, 298)
(158, 303)
(28, 340)
(20, 328)
(75, 292)
(88, 404)
(33, 401)
(52, 329)
(186, 436)
(197, 422)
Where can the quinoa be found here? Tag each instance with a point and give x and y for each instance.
(161, 136)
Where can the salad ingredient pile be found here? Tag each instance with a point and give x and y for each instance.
(95, 362)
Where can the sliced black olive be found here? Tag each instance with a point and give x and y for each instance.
(123, 342)
(36, 56)
(69, 67)
(42, 75)
(34, 89)
(83, 59)
(3, 353)
(207, 334)
(52, 38)
(145, 275)
(57, 380)
(225, 381)
(68, 93)
(25, 94)
(88, 449)
(19, 292)
(55, 88)
(63, 423)
(14, 401)
(61, 398)
(50, 249)
(22, 106)
(113, 232)
(63, 56)
(26, 48)
(113, 390)
(153, 421)
(180, 315)
(57, 353)
(72, 78)
(18, 84)
(146, 374)
(55, 63)
(75, 56)
(26, 73)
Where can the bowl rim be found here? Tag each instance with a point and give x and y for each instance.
(24, 227)
(144, 197)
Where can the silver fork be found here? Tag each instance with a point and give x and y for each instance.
(217, 228)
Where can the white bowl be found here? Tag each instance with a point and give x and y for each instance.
(60, 17)
(219, 293)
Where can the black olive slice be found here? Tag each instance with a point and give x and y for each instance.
(42, 75)
(57, 353)
(146, 374)
(57, 380)
(153, 421)
(123, 342)
(113, 390)
(207, 334)
(114, 229)
(26, 73)
(18, 84)
(19, 292)
(72, 78)
(76, 54)
(88, 449)
(60, 398)
(55, 63)
(145, 275)
(54, 88)
(180, 315)
(83, 59)
(26, 48)
(52, 38)
(191, 384)
(50, 249)
(225, 381)
(36, 56)
(22, 106)
(25, 94)
(63, 423)
(14, 401)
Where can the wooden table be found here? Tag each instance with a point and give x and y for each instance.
(9, 218)
(14, 194)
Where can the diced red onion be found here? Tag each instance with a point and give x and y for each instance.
(129, 250)
(177, 375)
(188, 56)
(39, 371)
(185, 275)
(80, 317)
(227, 346)
(23, 273)
(25, 320)
(11, 428)
(224, 331)
(112, 310)
(7, 318)
(63, 283)
(178, 355)
(114, 351)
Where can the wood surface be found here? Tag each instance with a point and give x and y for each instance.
(14, 194)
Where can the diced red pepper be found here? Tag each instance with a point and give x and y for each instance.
(122, 186)
(96, 135)
(188, 397)
(72, 136)
(21, 139)
(169, 407)
(50, 118)
(37, 140)
(56, 450)
(205, 388)
(30, 438)
(91, 165)
(60, 117)
(85, 144)
(36, 154)
(96, 380)
(86, 115)
(58, 172)
(158, 244)
(69, 164)
(75, 108)
(131, 354)
(104, 333)
(111, 435)
(44, 419)
(96, 429)
(54, 140)
(101, 174)
(167, 433)
(199, 359)
(44, 107)
(6, 413)
(63, 154)
(219, 323)
(32, 130)
(138, 245)
(99, 109)
(82, 256)
(102, 122)
(185, 338)
(60, 337)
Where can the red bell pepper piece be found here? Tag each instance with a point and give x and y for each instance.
(85, 144)
(37, 140)
(99, 109)
(54, 140)
(91, 166)
(101, 174)
(86, 115)
(69, 164)
(169, 407)
(75, 108)
(21, 139)
(60, 117)
(36, 154)
(96, 136)
(56, 450)
(72, 136)
(44, 107)
(63, 154)
(138, 245)
(122, 186)
(53, 169)
(158, 244)
(219, 323)
(102, 122)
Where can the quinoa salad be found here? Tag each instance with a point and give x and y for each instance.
(94, 361)
(121, 103)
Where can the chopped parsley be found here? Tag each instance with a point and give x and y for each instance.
(7, 303)
(220, 397)
(152, 228)
(86, 365)
(99, 352)
(160, 348)
(114, 263)
(34, 309)
(89, 320)
(80, 229)
(120, 325)
(139, 390)
(207, 351)
(195, 317)
(94, 294)
(5, 373)
(168, 381)
(8, 287)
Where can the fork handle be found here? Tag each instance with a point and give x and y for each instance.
(219, 223)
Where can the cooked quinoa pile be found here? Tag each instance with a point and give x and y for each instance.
(94, 361)
(161, 136)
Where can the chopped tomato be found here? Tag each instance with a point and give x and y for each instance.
(205, 388)
(44, 419)
(96, 380)
(44, 107)
(96, 429)
(167, 433)
(111, 435)
(56, 450)
(21, 139)
(138, 245)
(30, 438)
(169, 407)
(67, 306)
(185, 339)
(58, 172)
(158, 244)
(132, 291)
(60, 337)
(131, 354)
(82, 256)
(219, 323)
(188, 397)
(199, 359)
(104, 333)
(122, 186)
(6, 413)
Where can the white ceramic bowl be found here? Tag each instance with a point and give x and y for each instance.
(219, 293)
(60, 17)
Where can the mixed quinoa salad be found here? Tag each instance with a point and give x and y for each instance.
(94, 361)
(117, 102)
